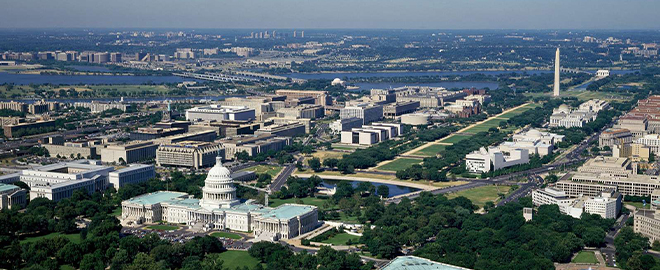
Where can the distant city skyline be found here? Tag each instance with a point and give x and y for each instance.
(345, 14)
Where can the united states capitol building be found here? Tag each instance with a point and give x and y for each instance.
(220, 209)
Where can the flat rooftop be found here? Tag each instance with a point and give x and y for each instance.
(288, 211)
(156, 197)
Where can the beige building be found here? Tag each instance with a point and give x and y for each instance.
(188, 154)
(302, 111)
(633, 151)
(253, 144)
(611, 137)
(647, 223)
(75, 149)
(130, 152)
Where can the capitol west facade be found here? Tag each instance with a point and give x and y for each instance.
(220, 209)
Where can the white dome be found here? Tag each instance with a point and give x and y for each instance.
(219, 172)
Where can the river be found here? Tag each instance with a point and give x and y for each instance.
(24, 79)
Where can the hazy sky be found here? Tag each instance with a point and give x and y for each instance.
(418, 14)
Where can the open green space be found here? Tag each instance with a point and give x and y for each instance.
(273, 170)
(585, 257)
(233, 259)
(318, 202)
(517, 111)
(399, 164)
(584, 95)
(485, 126)
(638, 205)
(431, 151)
(226, 235)
(480, 195)
(73, 237)
(343, 147)
(341, 239)
(455, 138)
(163, 227)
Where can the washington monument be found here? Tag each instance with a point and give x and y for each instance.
(556, 88)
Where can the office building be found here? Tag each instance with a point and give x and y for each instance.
(86, 150)
(221, 209)
(97, 107)
(302, 111)
(133, 174)
(321, 97)
(290, 129)
(652, 141)
(611, 137)
(219, 113)
(143, 134)
(383, 95)
(345, 124)
(367, 112)
(647, 223)
(130, 152)
(495, 158)
(606, 204)
(12, 197)
(371, 134)
(399, 108)
(566, 204)
(201, 135)
(21, 129)
(188, 154)
(253, 144)
(633, 151)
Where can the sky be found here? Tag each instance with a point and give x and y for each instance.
(289, 14)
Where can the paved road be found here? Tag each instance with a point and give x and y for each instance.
(609, 250)
(280, 180)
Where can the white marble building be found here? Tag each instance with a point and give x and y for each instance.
(220, 209)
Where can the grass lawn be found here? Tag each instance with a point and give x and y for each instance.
(585, 257)
(269, 169)
(485, 126)
(639, 205)
(455, 138)
(238, 258)
(163, 227)
(308, 200)
(480, 195)
(518, 111)
(74, 237)
(431, 151)
(226, 235)
(323, 155)
(399, 164)
(340, 239)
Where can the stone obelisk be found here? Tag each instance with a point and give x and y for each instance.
(556, 86)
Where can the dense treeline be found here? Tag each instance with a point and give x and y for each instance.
(276, 256)
(448, 231)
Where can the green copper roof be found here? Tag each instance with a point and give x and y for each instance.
(157, 197)
(5, 187)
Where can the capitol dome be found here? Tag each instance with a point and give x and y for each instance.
(219, 190)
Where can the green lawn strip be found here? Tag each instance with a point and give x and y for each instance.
(268, 169)
(431, 151)
(480, 195)
(585, 257)
(163, 227)
(318, 202)
(226, 235)
(399, 164)
(455, 138)
(341, 239)
(233, 259)
(74, 237)
(639, 205)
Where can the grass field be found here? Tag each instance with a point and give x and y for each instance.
(455, 138)
(399, 164)
(74, 237)
(585, 257)
(480, 195)
(639, 205)
(431, 151)
(340, 239)
(495, 122)
(269, 169)
(309, 201)
(226, 235)
(518, 111)
(237, 258)
(163, 227)
(323, 155)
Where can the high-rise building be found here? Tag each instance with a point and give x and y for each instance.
(556, 86)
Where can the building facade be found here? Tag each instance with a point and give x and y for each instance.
(188, 154)
(134, 174)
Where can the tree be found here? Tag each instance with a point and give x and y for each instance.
(315, 164)
(121, 160)
(92, 261)
(330, 162)
(242, 156)
(383, 190)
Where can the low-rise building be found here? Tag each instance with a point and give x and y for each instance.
(32, 128)
(97, 107)
(371, 134)
(415, 119)
(253, 144)
(652, 141)
(611, 137)
(143, 134)
(495, 158)
(290, 129)
(302, 111)
(130, 152)
(219, 113)
(345, 124)
(12, 197)
(188, 154)
(367, 112)
(647, 223)
(607, 203)
(134, 174)
(399, 108)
